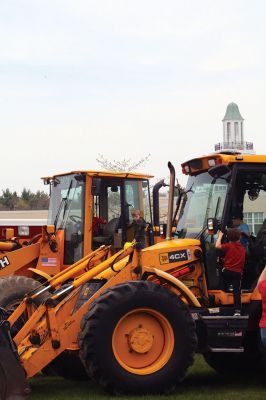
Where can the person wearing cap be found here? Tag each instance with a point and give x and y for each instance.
(237, 222)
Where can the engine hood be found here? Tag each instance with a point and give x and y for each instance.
(170, 254)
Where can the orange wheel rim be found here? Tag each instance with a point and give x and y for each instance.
(143, 341)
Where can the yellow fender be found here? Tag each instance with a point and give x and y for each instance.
(175, 283)
(40, 273)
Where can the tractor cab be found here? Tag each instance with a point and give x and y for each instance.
(93, 208)
(224, 191)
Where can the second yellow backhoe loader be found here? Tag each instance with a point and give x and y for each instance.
(136, 318)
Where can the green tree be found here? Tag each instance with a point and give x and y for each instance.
(26, 201)
(39, 200)
(26, 195)
(9, 199)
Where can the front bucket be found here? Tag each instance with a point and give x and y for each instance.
(13, 382)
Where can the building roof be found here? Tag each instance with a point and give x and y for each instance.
(232, 113)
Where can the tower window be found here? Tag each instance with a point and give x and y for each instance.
(236, 131)
(228, 128)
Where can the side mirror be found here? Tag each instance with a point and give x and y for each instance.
(212, 226)
(96, 186)
(219, 170)
(114, 188)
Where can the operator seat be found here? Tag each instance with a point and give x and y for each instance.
(108, 233)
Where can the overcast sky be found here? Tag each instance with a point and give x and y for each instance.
(125, 78)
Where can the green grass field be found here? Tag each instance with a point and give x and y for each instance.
(202, 383)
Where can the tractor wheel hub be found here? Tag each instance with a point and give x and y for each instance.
(140, 340)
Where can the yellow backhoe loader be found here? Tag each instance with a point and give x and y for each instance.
(136, 318)
(87, 209)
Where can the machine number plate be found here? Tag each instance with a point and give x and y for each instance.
(175, 256)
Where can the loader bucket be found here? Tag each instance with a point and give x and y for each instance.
(13, 383)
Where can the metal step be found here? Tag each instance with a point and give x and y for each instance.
(223, 333)
(224, 317)
(226, 350)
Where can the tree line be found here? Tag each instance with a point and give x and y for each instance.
(26, 201)
(40, 200)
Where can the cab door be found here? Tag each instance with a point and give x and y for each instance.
(249, 202)
(136, 196)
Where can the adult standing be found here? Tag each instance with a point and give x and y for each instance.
(237, 222)
(262, 289)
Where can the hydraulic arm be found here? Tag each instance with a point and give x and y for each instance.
(54, 325)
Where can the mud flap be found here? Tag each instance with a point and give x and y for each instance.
(13, 382)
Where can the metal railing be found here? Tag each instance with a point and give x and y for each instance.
(244, 146)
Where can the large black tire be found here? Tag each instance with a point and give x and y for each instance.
(234, 364)
(250, 362)
(69, 366)
(101, 336)
(226, 363)
(14, 288)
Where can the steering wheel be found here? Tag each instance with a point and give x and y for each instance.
(75, 218)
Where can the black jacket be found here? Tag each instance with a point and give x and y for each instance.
(139, 229)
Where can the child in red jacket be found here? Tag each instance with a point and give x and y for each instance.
(234, 260)
(262, 290)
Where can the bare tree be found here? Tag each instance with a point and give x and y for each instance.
(123, 165)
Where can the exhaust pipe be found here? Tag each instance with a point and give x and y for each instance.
(170, 201)
(13, 382)
(155, 197)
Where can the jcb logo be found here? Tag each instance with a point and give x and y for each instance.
(4, 262)
(164, 258)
